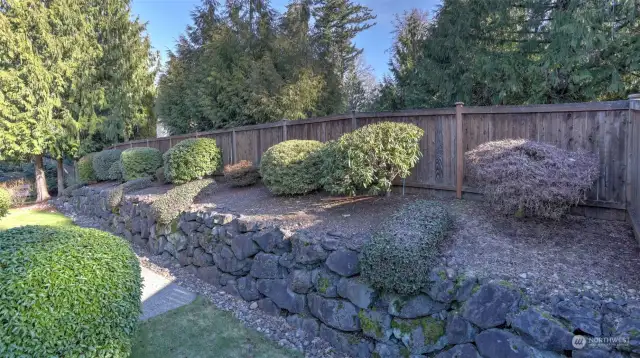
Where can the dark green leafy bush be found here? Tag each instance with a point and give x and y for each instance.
(169, 205)
(370, 158)
(67, 292)
(400, 257)
(243, 173)
(140, 162)
(5, 201)
(528, 178)
(103, 161)
(85, 169)
(115, 195)
(191, 159)
(115, 172)
(292, 167)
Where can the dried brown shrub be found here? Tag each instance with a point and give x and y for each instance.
(243, 173)
(528, 178)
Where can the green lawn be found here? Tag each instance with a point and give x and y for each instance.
(200, 330)
(25, 216)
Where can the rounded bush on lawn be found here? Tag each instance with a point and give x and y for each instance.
(370, 158)
(400, 256)
(191, 159)
(527, 178)
(115, 172)
(67, 292)
(85, 168)
(292, 167)
(140, 162)
(243, 173)
(5, 201)
(103, 161)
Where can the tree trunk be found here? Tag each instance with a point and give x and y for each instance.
(41, 181)
(60, 176)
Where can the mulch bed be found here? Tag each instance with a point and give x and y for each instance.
(573, 253)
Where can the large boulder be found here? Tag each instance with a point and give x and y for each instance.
(248, 289)
(490, 306)
(272, 241)
(227, 262)
(339, 314)
(243, 246)
(466, 350)
(459, 330)
(325, 282)
(278, 292)
(581, 316)
(300, 281)
(542, 330)
(348, 343)
(267, 266)
(414, 306)
(201, 258)
(420, 336)
(344, 262)
(376, 324)
(209, 274)
(356, 291)
(498, 343)
(307, 250)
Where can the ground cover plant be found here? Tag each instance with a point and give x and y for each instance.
(169, 205)
(528, 178)
(400, 256)
(103, 161)
(67, 292)
(243, 173)
(191, 159)
(85, 169)
(115, 196)
(292, 167)
(370, 158)
(140, 162)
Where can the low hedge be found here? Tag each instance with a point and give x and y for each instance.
(191, 159)
(140, 162)
(243, 173)
(115, 172)
(169, 205)
(103, 161)
(115, 196)
(67, 292)
(370, 158)
(85, 169)
(400, 257)
(5, 201)
(292, 167)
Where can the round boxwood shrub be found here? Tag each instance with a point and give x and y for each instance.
(67, 292)
(85, 169)
(370, 158)
(5, 201)
(400, 256)
(115, 172)
(528, 178)
(191, 159)
(292, 167)
(140, 162)
(103, 161)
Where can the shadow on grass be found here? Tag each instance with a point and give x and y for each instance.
(200, 330)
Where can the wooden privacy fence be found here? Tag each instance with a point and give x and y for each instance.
(600, 127)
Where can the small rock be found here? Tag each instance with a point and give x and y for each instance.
(253, 305)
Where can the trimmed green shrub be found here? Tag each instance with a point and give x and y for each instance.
(400, 256)
(85, 169)
(291, 167)
(140, 162)
(103, 161)
(191, 159)
(243, 173)
(115, 172)
(115, 196)
(370, 158)
(67, 292)
(5, 201)
(160, 175)
(169, 205)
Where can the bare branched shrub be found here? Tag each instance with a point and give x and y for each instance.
(243, 173)
(529, 178)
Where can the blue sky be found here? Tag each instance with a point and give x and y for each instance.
(167, 19)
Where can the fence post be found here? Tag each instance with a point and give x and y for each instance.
(631, 168)
(284, 130)
(354, 121)
(459, 150)
(233, 146)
